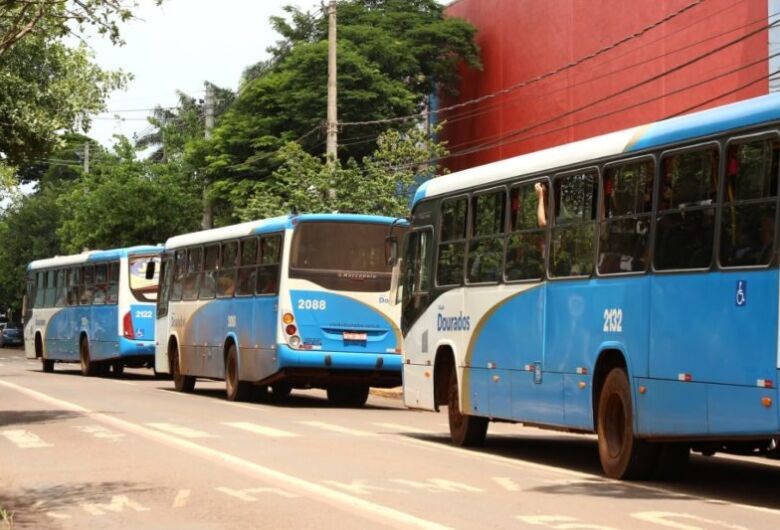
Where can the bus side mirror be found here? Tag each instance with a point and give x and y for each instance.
(151, 265)
(391, 250)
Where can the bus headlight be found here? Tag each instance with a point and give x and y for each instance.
(295, 341)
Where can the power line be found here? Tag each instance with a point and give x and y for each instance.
(533, 80)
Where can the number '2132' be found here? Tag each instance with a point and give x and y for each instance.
(613, 320)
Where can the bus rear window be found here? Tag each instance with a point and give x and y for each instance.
(144, 290)
(342, 256)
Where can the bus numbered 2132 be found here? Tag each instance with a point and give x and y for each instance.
(96, 308)
(625, 285)
(290, 302)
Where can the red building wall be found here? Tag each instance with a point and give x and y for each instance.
(522, 39)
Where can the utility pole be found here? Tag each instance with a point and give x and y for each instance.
(333, 124)
(86, 157)
(208, 215)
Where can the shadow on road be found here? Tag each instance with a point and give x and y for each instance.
(27, 417)
(714, 478)
(33, 507)
(72, 369)
(298, 399)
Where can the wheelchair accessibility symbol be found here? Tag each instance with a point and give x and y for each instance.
(740, 298)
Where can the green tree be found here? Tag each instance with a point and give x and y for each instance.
(124, 202)
(392, 54)
(381, 184)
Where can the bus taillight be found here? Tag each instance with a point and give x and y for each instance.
(127, 326)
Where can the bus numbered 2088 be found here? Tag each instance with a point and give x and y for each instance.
(625, 285)
(289, 302)
(96, 308)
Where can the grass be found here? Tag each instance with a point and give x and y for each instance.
(7, 518)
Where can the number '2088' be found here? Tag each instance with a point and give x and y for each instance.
(315, 304)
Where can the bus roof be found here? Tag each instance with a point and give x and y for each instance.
(265, 226)
(738, 115)
(92, 256)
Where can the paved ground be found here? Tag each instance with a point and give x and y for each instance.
(131, 453)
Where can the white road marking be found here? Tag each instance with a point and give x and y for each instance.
(336, 428)
(403, 428)
(122, 382)
(1, 364)
(247, 495)
(507, 483)
(438, 447)
(100, 432)
(349, 503)
(664, 519)
(360, 487)
(260, 429)
(561, 522)
(180, 430)
(438, 485)
(24, 439)
(56, 515)
(117, 505)
(181, 499)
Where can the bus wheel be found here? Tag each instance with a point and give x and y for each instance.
(47, 364)
(181, 382)
(236, 389)
(117, 368)
(465, 430)
(348, 395)
(88, 367)
(622, 455)
(281, 390)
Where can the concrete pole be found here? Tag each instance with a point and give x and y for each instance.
(207, 220)
(332, 129)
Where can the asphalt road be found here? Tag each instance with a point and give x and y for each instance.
(81, 452)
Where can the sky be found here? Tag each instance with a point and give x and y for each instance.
(178, 46)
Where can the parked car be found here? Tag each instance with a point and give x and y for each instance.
(11, 335)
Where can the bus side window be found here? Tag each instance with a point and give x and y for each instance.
(624, 232)
(452, 241)
(101, 285)
(226, 278)
(747, 228)
(191, 279)
(112, 296)
(62, 288)
(88, 285)
(247, 273)
(208, 280)
(268, 269)
(40, 289)
(575, 200)
(51, 280)
(180, 269)
(527, 243)
(73, 286)
(486, 245)
(685, 230)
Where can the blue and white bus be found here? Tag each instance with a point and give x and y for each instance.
(289, 302)
(96, 308)
(625, 285)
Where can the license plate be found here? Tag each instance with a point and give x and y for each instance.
(348, 335)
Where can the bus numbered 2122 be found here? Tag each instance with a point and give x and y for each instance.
(96, 308)
(290, 302)
(625, 285)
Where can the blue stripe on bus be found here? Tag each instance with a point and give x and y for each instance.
(737, 115)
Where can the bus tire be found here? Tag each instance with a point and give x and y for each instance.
(47, 365)
(235, 389)
(181, 382)
(465, 430)
(117, 368)
(88, 367)
(281, 390)
(348, 395)
(622, 455)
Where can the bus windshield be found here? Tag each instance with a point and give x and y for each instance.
(144, 290)
(341, 256)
